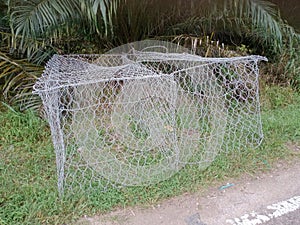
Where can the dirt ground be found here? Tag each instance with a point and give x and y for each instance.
(216, 204)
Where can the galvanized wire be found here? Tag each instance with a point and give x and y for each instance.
(136, 116)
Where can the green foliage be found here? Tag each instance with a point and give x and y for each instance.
(35, 30)
(17, 77)
(285, 69)
(43, 23)
(239, 21)
(28, 190)
(3, 14)
(274, 97)
(40, 26)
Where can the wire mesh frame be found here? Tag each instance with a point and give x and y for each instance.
(138, 118)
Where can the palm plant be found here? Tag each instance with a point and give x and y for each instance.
(36, 29)
(36, 24)
(40, 25)
(18, 76)
(32, 31)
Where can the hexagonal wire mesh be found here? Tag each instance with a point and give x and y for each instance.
(141, 112)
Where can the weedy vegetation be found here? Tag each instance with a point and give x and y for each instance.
(28, 182)
(32, 31)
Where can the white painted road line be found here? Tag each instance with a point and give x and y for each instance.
(273, 211)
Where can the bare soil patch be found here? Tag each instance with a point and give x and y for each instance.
(216, 204)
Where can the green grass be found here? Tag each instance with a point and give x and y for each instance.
(28, 190)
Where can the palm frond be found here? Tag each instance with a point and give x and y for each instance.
(256, 19)
(32, 19)
(247, 17)
(50, 21)
(17, 77)
(265, 16)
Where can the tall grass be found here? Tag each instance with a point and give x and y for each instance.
(285, 70)
(28, 189)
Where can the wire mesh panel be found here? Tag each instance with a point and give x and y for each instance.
(136, 117)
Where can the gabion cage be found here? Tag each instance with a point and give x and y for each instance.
(136, 116)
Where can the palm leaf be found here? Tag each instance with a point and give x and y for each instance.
(264, 15)
(247, 17)
(17, 78)
(257, 19)
(39, 23)
(34, 19)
